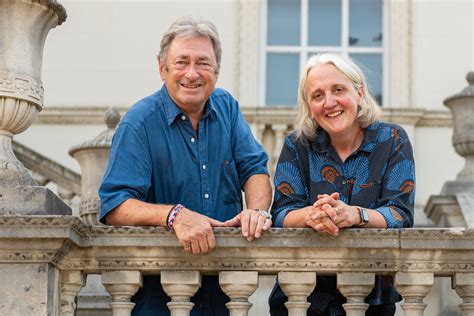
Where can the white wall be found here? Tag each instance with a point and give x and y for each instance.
(105, 52)
(443, 49)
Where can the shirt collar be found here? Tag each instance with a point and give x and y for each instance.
(172, 110)
(321, 142)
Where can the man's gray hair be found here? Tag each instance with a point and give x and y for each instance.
(189, 27)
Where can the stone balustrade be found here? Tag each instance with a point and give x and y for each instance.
(50, 256)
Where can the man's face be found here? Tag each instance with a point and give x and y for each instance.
(191, 72)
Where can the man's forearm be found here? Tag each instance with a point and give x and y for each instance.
(138, 213)
(258, 192)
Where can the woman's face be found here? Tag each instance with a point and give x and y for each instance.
(333, 100)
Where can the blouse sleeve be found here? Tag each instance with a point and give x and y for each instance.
(290, 192)
(396, 203)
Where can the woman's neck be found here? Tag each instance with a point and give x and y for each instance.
(348, 143)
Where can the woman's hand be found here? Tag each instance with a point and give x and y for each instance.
(347, 215)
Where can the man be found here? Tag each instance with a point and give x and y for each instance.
(180, 159)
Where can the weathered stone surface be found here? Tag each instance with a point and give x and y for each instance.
(28, 289)
(33, 200)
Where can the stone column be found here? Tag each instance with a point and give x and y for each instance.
(71, 283)
(122, 285)
(280, 131)
(93, 157)
(464, 286)
(180, 286)
(238, 285)
(355, 287)
(297, 286)
(414, 286)
(25, 25)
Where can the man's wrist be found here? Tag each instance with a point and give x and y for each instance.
(263, 212)
(173, 213)
(364, 216)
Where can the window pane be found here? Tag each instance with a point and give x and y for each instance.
(365, 23)
(283, 22)
(282, 78)
(324, 22)
(371, 65)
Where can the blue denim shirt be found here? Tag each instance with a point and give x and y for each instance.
(157, 157)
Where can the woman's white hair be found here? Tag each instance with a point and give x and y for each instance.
(368, 111)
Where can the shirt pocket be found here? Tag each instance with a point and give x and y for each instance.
(367, 194)
(230, 184)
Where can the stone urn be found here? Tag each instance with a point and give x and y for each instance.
(24, 27)
(462, 109)
(93, 157)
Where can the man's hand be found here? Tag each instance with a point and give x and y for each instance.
(252, 223)
(194, 231)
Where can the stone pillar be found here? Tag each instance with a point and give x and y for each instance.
(71, 283)
(297, 286)
(280, 131)
(414, 286)
(29, 289)
(238, 286)
(25, 25)
(180, 286)
(355, 287)
(122, 285)
(464, 286)
(93, 157)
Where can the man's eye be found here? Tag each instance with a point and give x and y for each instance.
(181, 62)
(339, 90)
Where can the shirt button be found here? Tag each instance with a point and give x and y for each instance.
(193, 140)
(183, 118)
(206, 196)
(344, 181)
(204, 167)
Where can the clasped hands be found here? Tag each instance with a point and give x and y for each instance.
(328, 214)
(194, 230)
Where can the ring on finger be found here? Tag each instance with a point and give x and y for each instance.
(336, 210)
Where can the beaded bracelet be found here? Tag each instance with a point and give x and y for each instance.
(172, 215)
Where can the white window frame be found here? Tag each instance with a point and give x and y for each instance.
(303, 49)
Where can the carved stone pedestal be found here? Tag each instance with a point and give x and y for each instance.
(31, 200)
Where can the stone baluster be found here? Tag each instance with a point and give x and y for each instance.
(257, 130)
(122, 285)
(297, 286)
(414, 286)
(238, 286)
(355, 287)
(464, 286)
(279, 134)
(71, 284)
(180, 286)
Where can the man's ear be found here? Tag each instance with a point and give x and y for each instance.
(162, 69)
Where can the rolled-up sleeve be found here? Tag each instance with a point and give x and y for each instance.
(397, 199)
(128, 174)
(250, 158)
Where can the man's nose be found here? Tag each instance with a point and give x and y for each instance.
(192, 72)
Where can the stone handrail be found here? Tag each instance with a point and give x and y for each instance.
(66, 249)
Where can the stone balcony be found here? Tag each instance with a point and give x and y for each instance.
(48, 257)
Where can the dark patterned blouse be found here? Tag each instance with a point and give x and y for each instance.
(380, 176)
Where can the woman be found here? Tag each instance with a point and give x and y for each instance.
(341, 168)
